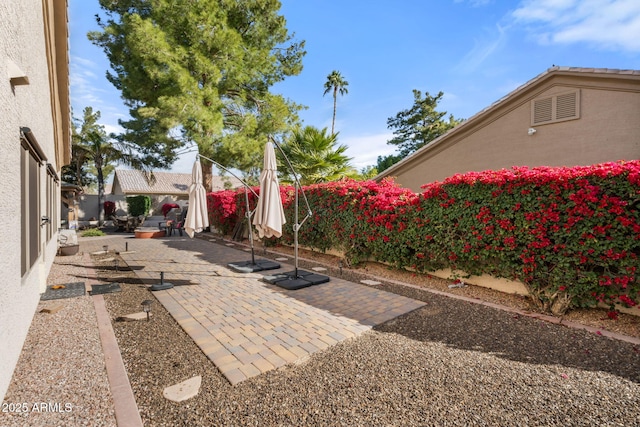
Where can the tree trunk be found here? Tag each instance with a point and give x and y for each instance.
(100, 194)
(335, 101)
(207, 174)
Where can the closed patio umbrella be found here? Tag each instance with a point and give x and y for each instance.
(269, 214)
(197, 215)
(269, 218)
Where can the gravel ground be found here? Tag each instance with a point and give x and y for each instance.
(449, 363)
(61, 379)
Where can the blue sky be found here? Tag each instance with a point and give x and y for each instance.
(474, 51)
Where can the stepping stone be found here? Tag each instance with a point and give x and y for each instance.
(52, 309)
(318, 269)
(184, 390)
(133, 317)
(282, 259)
(370, 282)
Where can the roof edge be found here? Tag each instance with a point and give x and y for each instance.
(554, 70)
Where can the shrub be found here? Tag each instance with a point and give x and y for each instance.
(222, 207)
(109, 208)
(138, 205)
(571, 235)
(167, 207)
(93, 232)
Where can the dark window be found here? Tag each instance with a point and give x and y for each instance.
(31, 159)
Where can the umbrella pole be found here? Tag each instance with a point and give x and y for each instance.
(295, 233)
(248, 216)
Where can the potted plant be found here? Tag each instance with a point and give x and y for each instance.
(67, 242)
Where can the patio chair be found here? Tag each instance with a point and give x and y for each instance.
(171, 225)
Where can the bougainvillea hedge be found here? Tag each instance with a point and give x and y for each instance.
(571, 235)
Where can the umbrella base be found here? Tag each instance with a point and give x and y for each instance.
(251, 267)
(161, 286)
(290, 281)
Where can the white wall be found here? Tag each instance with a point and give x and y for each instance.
(21, 41)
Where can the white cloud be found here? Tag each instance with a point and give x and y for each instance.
(608, 24)
(482, 50)
(365, 149)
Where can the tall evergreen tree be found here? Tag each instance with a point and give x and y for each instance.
(335, 84)
(200, 72)
(419, 125)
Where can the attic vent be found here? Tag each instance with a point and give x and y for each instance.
(543, 111)
(557, 108)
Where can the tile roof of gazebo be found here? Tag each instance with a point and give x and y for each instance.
(164, 183)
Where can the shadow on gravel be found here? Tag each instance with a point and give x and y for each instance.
(468, 326)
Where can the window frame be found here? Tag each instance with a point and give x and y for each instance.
(32, 159)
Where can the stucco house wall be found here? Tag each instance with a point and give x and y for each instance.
(33, 50)
(607, 129)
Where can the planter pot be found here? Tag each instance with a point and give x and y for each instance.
(68, 250)
(142, 233)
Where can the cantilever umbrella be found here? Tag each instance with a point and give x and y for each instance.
(269, 218)
(269, 214)
(197, 215)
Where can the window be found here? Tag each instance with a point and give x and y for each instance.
(557, 108)
(52, 200)
(31, 159)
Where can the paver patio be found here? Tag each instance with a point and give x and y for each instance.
(245, 326)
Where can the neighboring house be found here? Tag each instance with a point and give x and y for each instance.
(165, 187)
(563, 117)
(35, 139)
(135, 182)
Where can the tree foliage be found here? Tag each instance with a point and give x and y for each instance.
(94, 154)
(335, 84)
(385, 162)
(315, 157)
(417, 126)
(200, 72)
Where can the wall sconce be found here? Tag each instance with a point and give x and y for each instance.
(44, 220)
(146, 307)
(531, 131)
(17, 77)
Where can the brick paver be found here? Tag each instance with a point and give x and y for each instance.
(246, 326)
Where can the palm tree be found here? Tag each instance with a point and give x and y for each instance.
(336, 83)
(91, 144)
(315, 157)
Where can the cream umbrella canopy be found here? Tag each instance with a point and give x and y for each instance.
(269, 214)
(197, 215)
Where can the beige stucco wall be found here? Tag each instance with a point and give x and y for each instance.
(21, 41)
(608, 130)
